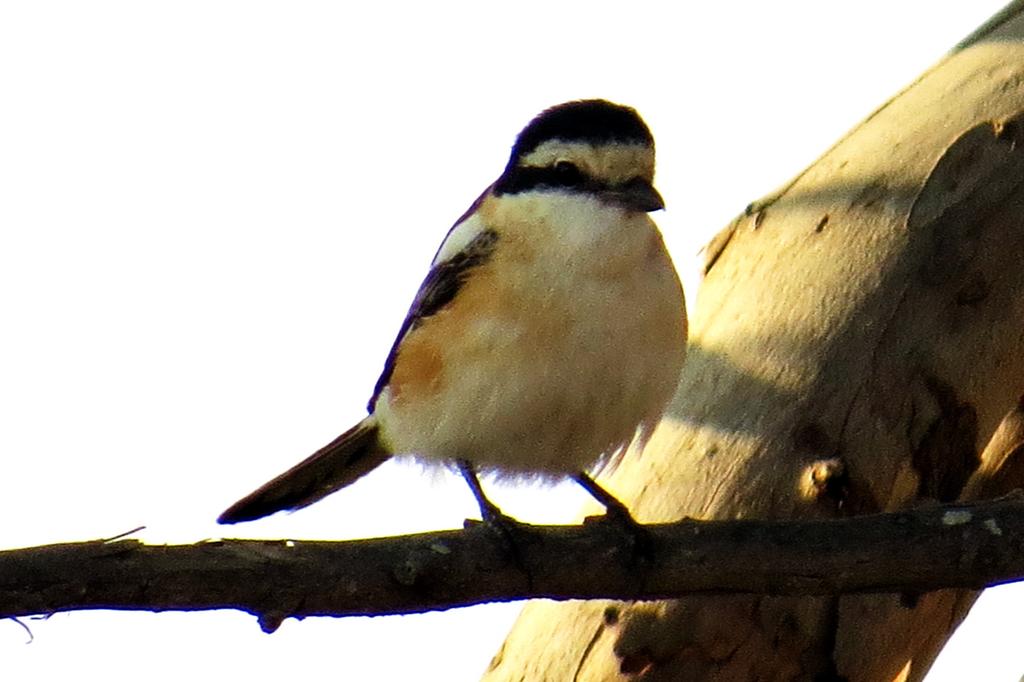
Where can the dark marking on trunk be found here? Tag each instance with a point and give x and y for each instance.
(975, 290)
(972, 179)
(947, 454)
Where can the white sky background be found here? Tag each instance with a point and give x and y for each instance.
(213, 216)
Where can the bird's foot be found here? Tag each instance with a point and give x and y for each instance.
(637, 539)
(503, 528)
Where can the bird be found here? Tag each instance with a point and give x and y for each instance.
(548, 335)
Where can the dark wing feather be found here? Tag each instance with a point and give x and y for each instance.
(345, 459)
(437, 291)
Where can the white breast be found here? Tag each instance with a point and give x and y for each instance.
(579, 342)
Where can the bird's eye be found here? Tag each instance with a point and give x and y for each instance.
(567, 174)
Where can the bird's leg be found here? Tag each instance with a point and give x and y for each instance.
(617, 513)
(612, 505)
(489, 511)
(502, 526)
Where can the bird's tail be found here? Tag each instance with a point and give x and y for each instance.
(348, 457)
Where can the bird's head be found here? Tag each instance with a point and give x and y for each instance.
(589, 147)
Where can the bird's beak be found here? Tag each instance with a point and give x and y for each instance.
(635, 195)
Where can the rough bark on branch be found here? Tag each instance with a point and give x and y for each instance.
(856, 343)
(981, 544)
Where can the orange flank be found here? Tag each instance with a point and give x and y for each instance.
(442, 339)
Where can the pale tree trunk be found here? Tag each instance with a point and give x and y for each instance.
(857, 341)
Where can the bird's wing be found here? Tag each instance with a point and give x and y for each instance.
(443, 281)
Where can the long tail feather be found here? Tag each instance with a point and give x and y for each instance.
(345, 459)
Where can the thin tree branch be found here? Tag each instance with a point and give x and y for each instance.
(963, 545)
